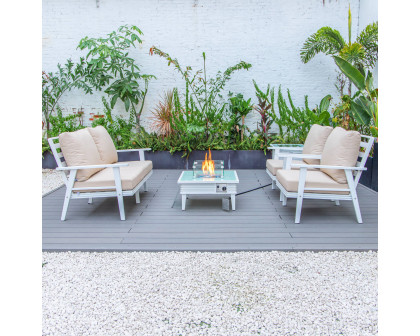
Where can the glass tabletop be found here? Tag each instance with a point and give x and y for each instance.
(188, 177)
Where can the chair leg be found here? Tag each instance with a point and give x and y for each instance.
(357, 209)
(145, 186)
(337, 202)
(118, 187)
(137, 194)
(284, 200)
(301, 190)
(353, 193)
(66, 204)
(273, 184)
(281, 196)
(121, 206)
(67, 197)
(90, 200)
(299, 202)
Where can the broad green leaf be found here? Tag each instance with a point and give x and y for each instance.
(361, 113)
(127, 104)
(325, 103)
(114, 101)
(351, 72)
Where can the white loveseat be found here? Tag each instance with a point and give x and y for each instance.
(89, 164)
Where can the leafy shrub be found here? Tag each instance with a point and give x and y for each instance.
(120, 130)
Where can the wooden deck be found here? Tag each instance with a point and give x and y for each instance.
(259, 223)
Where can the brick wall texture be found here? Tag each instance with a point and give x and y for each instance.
(266, 33)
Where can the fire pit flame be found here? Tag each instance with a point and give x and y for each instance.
(208, 166)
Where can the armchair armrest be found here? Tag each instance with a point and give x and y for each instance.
(298, 156)
(133, 150)
(139, 150)
(326, 166)
(113, 165)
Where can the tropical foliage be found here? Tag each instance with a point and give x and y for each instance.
(200, 115)
(362, 53)
(364, 104)
(110, 67)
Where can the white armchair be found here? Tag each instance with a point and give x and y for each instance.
(314, 144)
(332, 179)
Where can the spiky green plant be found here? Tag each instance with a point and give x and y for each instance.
(362, 53)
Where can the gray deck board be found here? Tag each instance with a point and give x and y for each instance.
(260, 222)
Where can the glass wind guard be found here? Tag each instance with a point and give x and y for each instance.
(203, 168)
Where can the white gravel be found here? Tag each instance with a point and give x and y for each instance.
(183, 293)
(51, 179)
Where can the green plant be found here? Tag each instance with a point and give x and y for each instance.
(239, 109)
(361, 53)
(45, 145)
(54, 85)
(297, 121)
(108, 65)
(364, 104)
(120, 130)
(61, 124)
(204, 105)
(293, 122)
(264, 108)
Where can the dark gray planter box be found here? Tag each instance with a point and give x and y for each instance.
(240, 159)
(48, 161)
(369, 177)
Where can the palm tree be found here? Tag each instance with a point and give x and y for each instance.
(363, 53)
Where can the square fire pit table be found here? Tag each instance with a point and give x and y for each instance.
(222, 186)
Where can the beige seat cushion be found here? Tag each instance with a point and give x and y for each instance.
(315, 141)
(274, 165)
(131, 176)
(79, 149)
(104, 143)
(289, 179)
(341, 149)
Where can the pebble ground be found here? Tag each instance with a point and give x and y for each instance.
(184, 293)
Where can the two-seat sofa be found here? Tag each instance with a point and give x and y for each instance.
(89, 164)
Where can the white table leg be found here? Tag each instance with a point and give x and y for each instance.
(232, 198)
(184, 200)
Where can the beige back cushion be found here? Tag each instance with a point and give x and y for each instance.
(341, 149)
(315, 141)
(104, 143)
(79, 149)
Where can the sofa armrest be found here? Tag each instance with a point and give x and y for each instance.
(113, 165)
(139, 150)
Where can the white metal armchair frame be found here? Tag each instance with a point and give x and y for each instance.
(353, 175)
(276, 155)
(68, 174)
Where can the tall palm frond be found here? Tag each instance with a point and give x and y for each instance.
(325, 40)
(354, 54)
(368, 38)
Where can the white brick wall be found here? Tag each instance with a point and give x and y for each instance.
(266, 33)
